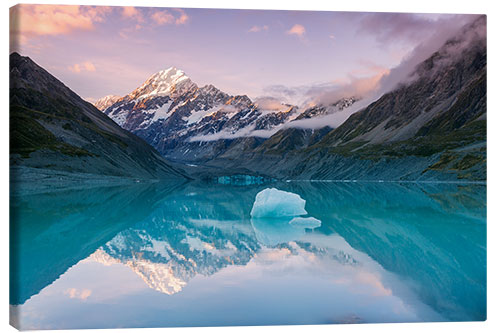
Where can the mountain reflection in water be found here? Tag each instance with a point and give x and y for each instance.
(191, 255)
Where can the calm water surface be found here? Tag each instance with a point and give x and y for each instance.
(191, 255)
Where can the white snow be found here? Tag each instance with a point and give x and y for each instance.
(197, 115)
(246, 115)
(162, 112)
(272, 202)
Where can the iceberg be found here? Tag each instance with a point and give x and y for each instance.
(272, 202)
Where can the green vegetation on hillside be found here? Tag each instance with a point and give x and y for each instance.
(27, 135)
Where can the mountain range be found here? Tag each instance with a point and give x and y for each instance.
(175, 116)
(430, 127)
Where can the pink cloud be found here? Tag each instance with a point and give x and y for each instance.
(298, 30)
(163, 17)
(183, 18)
(85, 66)
(257, 28)
(132, 13)
(31, 20)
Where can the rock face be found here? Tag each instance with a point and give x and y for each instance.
(52, 128)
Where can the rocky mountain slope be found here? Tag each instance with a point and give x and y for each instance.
(431, 127)
(52, 128)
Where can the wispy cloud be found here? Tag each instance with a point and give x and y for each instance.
(183, 18)
(151, 18)
(297, 30)
(163, 17)
(258, 28)
(86, 66)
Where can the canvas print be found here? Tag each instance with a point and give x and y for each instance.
(212, 167)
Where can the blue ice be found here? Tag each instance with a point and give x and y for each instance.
(275, 203)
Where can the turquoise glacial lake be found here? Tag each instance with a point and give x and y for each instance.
(153, 255)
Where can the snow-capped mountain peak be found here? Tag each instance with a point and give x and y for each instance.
(170, 75)
(167, 82)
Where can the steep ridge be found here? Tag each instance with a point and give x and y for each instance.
(52, 128)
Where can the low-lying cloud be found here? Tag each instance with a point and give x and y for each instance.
(270, 104)
(248, 131)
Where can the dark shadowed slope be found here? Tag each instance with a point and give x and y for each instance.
(52, 128)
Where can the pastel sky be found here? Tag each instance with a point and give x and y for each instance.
(289, 55)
